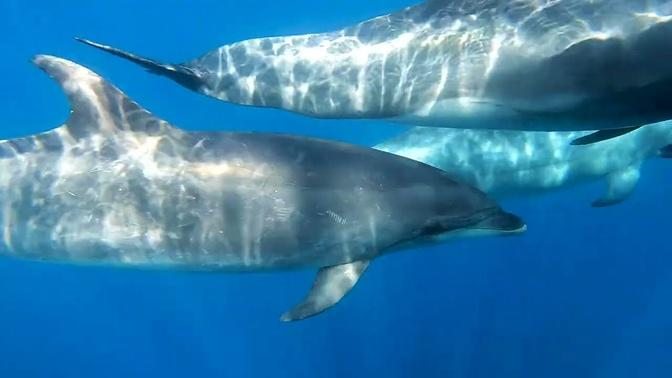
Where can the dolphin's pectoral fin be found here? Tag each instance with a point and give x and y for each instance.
(666, 152)
(602, 135)
(178, 72)
(330, 286)
(620, 185)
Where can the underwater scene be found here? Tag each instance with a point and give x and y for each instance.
(381, 188)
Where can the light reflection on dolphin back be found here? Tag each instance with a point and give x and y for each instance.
(504, 163)
(525, 65)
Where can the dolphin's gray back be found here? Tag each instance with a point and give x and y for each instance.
(515, 54)
(546, 65)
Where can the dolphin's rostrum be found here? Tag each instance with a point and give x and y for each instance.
(116, 185)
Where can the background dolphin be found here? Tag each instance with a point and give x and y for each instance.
(516, 162)
(496, 64)
(116, 185)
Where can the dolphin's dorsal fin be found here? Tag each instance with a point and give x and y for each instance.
(96, 106)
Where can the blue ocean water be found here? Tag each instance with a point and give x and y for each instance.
(584, 293)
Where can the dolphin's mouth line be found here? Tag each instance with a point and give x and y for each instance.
(517, 231)
(435, 227)
(477, 217)
(448, 224)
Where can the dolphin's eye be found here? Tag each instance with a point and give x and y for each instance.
(434, 228)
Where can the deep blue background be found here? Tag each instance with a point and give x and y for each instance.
(585, 293)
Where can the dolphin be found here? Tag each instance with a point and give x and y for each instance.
(117, 186)
(504, 163)
(530, 65)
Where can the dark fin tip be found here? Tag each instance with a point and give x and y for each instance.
(180, 73)
(602, 135)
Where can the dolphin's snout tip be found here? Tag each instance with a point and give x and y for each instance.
(514, 231)
(520, 230)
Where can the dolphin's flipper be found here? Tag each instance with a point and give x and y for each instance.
(620, 185)
(180, 73)
(602, 135)
(666, 152)
(330, 286)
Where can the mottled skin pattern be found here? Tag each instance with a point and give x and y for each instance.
(515, 162)
(115, 185)
(560, 65)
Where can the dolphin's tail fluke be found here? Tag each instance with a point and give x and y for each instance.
(178, 72)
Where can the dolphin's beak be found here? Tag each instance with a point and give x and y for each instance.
(503, 223)
(516, 231)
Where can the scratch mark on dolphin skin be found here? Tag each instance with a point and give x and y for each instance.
(337, 218)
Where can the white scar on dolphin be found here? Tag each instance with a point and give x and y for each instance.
(117, 186)
(533, 65)
(505, 163)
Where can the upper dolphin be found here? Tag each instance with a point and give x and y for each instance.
(548, 65)
(116, 185)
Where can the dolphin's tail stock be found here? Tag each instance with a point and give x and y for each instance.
(180, 73)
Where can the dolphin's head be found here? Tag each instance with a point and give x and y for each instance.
(493, 221)
(439, 208)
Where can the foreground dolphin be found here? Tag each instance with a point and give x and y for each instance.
(561, 65)
(516, 162)
(115, 185)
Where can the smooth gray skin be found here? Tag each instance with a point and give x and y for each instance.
(115, 185)
(548, 65)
